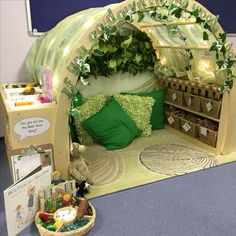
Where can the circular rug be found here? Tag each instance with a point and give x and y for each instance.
(175, 159)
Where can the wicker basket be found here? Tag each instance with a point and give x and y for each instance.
(207, 136)
(174, 97)
(192, 102)
(78, 232)
(210, 107)
(188, 128)
(172, 120)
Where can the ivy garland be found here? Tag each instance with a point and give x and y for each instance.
(100, 62)
(126, 50)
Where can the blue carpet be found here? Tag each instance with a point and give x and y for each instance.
(198, 204)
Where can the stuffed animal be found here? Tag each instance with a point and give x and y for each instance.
(78, 168)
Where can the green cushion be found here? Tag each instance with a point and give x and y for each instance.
(139, 109)
(89, 108)
(112, 126)
(158, 114)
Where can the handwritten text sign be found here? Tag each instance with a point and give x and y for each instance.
(31, 127)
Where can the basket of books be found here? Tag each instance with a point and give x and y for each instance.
(67, 221)
(211, 107)
(174, 96)
(208, 132)
(192, 102)
(188, 125)
(172, 119)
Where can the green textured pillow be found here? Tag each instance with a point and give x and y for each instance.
(89, 108)
(139, 109)
(112, 126)
(158, 114)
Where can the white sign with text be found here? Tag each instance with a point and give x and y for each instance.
(31, 127)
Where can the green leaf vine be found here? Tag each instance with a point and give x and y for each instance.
(110, 54)
(125, 50)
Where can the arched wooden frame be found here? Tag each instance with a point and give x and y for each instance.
(61, 140)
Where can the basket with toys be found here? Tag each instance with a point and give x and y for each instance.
(62, 212)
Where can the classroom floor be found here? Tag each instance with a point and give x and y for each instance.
(197, 204)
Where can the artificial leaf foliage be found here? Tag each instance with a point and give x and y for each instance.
(205, 35)
(131, 53)
(207, 26)
(195, 12)
(115, 51)
(223, 36)
(177, 12)
(141, 15)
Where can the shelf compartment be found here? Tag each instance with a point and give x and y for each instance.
(211, 108)
(188, 128)
(174, 96)
(207, 136)
(192, 102)
(173, 120)
(191, 111)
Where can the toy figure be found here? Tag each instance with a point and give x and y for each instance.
(82, 208)
(44, 99)
(67, 200)
(19, 219)
(82, 188)
(29, 90)
(57, 178)
(78, 168)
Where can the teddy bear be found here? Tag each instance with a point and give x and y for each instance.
(78, 168)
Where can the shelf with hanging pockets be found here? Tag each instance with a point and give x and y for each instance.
(193, 109)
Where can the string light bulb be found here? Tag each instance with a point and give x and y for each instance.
(163, 60)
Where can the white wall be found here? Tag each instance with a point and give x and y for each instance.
(15, 41)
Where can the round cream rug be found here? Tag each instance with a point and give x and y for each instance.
(175, 159)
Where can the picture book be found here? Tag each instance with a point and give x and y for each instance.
(21, 199)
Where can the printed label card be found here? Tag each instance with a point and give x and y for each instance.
(186, 127)
(209, 106)
(174, 96)
(171, 120)
(203, 131)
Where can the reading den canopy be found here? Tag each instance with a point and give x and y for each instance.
(93, 49)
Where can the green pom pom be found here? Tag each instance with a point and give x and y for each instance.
(38, 220)
(51, 228)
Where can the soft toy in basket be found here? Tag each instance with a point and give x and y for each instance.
(61, 212)
(75, 219)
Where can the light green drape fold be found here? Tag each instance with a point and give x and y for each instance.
(53, 49)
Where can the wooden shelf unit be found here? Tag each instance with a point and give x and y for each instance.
(223, 119)
(18, 138)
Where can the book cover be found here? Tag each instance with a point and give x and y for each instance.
(21, 199)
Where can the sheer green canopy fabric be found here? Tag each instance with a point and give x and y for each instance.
(53, 50)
